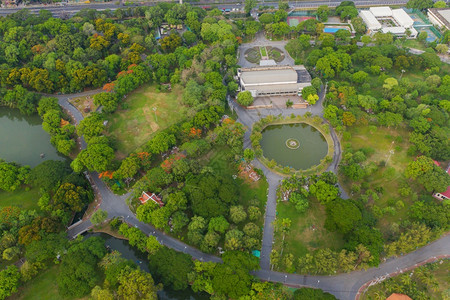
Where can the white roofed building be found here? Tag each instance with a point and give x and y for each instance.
(387, 20)
(402, 18)
(370, 20)
(440, 17)
(381, 11)
(270, 81)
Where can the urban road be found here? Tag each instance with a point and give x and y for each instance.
(71, 9)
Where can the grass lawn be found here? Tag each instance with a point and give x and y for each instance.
(439, 271)
(42, 287)
(307, 230)
(134, 126)
(263, 51)
(383, 140)
(414, 44)
(21, 198)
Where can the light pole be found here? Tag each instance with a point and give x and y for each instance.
(403, 71)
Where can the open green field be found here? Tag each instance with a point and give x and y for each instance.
(134, 126)
(42, 287)
(21, 198)
(437, 287)
(307, 231)
(383, 141)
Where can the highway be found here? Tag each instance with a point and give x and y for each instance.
(71, 9)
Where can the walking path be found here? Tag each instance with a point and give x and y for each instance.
(343, 286)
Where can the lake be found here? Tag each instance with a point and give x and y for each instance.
(23, 140)
(140, 259)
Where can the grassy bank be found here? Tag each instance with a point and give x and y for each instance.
(21, 198)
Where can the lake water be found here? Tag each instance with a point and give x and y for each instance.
(23, 140)
(140, 259)
(308, 149)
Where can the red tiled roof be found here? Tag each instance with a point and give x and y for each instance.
(398, 297)
(447, 192)
(145, 197)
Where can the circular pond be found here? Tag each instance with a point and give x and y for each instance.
(299, 146)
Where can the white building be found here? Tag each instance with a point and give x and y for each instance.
(399, 31)
(370, 20)
(402, 18)
(440, 17)
(381, 11)
(387, 20)
(270, 81)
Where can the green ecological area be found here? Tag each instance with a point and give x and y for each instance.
(43, 286)
(250, 192)
(213, 198)
(307, 232)
(431, 281)
(387, 149)
(147, 110)
(23, 198)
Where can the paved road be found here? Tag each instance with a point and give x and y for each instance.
(72, 9)
(346, 286)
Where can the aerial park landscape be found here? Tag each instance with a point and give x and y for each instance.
(250, 151)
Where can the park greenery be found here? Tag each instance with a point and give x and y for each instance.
(389, 108)
(430, 281)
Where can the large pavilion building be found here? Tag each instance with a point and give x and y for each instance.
(273, 81)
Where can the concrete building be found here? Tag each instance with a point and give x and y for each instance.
(440, 17)
(402, 18)
(271, 81)
(385, 19)
(370, 20)
(381, 11)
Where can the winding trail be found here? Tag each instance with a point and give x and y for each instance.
(343, 286)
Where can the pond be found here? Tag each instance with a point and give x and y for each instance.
(23, 140)
(299, 146)
(140, 259)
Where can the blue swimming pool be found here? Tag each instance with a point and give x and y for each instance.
(332, 29)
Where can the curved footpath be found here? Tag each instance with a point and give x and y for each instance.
(343, 286)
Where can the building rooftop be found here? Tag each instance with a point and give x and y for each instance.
(269, 76)
(381, 11)
(274, 75)
(443, 14)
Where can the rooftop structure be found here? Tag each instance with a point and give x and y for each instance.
(396, 296)
(402, 18)
(145, 197)
(370, 20)
(385, 19)
(381, 11)
(440, 17)
(268, 81)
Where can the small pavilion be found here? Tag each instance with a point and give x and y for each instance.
(147, 196)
